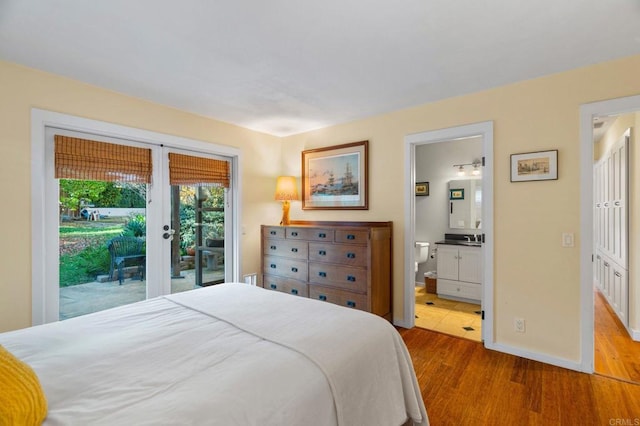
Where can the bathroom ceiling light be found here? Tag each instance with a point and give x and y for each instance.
(460, 170)
(476, 170)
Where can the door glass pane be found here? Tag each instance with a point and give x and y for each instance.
(102, 253)
(197, 248)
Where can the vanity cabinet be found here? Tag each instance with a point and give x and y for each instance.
(346, 263)
(459, 272)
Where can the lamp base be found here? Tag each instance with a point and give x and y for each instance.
(286, 205)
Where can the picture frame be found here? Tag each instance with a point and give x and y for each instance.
(532, 166)
(456, 194)
(336, 177)
(422, 189)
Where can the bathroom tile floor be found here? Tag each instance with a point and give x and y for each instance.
(451, 317)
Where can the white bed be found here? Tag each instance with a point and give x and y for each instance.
(230, 354)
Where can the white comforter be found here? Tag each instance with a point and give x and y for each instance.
(229, 354)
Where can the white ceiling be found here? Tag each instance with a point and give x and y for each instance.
(288, 66)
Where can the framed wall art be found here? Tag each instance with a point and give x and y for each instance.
(422, 189)
(541, 165)
(456, 194)
(336, 177)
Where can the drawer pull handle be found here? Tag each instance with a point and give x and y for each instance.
(322, 253)
(617, 274)
(322, 274)
(351, 237)
(272, 266)
(351, 303)
(272, 233)
(616, 203)
(273, 286)
(606, 264)
(322, 235)
(351, 278)
(294, 234)
(272, 247)
(322, 297)
(295, 250)
(351, 255)
(294, 269)
(294, 291)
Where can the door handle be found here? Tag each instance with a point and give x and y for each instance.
(168, 235)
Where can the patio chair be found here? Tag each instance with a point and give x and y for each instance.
(123, 249)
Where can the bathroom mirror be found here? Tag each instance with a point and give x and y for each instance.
(465, 204)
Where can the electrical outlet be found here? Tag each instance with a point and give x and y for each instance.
(250, 278)
(518, 324)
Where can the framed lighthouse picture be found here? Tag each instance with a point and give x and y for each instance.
(336, 177)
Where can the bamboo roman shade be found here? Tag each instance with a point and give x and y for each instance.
(190, 170)
(85, 159)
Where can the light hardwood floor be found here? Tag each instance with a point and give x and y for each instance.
(616, 355)
(463, 383)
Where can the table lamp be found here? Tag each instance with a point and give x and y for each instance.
(286, 190)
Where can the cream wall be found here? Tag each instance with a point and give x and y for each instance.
(22, 89)
(613, 135)
(535, 278)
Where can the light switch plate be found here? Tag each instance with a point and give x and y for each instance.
(567, 239)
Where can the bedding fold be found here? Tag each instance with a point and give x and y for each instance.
(367, 389)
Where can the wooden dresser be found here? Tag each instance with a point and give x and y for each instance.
(346, 263)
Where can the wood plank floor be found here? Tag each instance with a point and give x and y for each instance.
(463, 383)
(616, 355)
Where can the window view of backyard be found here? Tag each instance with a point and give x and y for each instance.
(102, 236)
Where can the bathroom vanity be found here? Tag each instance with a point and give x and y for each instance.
(460, 268)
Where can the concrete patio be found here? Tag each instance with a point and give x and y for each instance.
(96, 296)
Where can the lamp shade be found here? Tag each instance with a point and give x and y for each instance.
(286, 189)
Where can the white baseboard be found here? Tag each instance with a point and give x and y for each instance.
(635, 334)
(419, 284)
(558, 362)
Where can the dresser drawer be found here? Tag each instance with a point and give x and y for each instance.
(310, 234)
(291, 249)
(339, 297)
(284, 267)
(354, 279)
(273, 232)
(352, 236)
(285, 285)
(459, 289)
(338, 253)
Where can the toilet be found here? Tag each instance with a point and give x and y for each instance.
(422, 252)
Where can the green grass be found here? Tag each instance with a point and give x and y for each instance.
(84, 266)
(90, 232)
(87, 256)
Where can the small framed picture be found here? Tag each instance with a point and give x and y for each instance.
(422, 189)
(541, 165)
(456, 194)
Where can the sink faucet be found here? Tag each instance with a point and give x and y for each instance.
(475, 237)
(468, 238)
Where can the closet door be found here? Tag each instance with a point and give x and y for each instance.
(618, 203)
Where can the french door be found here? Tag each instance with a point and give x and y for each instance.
(191, 229)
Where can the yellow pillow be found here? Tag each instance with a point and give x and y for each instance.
(22, 401)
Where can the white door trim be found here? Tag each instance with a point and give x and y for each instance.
(484, 130)
(45, 309)
(587, 113)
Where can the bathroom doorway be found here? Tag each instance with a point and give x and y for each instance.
(428, 219)
(446, 299)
